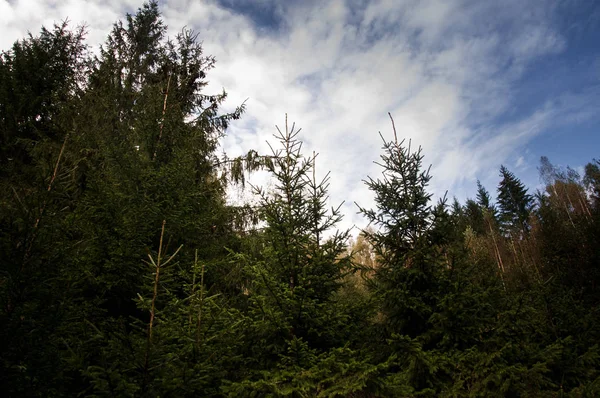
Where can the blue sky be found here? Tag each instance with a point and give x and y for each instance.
(477, 83)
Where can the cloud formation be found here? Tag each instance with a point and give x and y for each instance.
(448, 71)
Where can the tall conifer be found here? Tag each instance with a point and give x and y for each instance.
(514, 201)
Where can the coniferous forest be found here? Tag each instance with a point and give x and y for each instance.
(124, 271)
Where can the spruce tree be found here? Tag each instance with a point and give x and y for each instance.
(409, 239)
(514, 202)
(40, 84)
(120, 143)
(484, 200)
(152, 136)
(475, 217)
(297, 322)
(592, 181)
(403, 218)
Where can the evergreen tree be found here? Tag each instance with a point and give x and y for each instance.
(514, 201)
(124, 272)
(409, 239)
(39, 78)
(592, 181)
(40, 83)
(475, 217)
(118, 150)
(152, 137)
(297, 324)
(403, 220)
(484, 200)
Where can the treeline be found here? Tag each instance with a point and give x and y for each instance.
(124, 271)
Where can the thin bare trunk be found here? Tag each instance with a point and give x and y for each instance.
(156, 264)
(584, 205)
(156, 279)
(565, 204)
(497, 252)
(199, 324)
(162, 121)
(43, 206)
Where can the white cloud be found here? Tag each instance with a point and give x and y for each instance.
(445, 70)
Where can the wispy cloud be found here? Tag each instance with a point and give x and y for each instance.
(448, 71)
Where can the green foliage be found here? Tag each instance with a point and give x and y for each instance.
(298, 317)
(403, 210)
(406, 222)
(514, 201)
(484, 200)
(592, 181)
(125, 272)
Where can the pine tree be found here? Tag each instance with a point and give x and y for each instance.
(592, 181)
(514, 202)
(403, 219)
(129, 141)
(298, 321)
(40, 84)
(475, 217)
(485, 200)
(410, 240)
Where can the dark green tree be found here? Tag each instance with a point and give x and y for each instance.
(409, 239)
(484, 200)
(592, 181)
(113, 146)
(514, 202)
(41, 80)
(403, 219)
(475, 217)
(298, 323)
(152, 136)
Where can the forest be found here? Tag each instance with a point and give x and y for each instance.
(124, 270)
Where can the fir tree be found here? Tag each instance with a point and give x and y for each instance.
(592, 181)
(484, 200)
(127, 145)
(40, 84)
(514, 201)
(475, 217)
(409, 241)
(297, 319)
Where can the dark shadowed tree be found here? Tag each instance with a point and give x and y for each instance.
(514, 202)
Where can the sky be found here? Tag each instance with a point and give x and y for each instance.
(476, 83)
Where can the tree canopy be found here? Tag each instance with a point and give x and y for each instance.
(125, 271)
